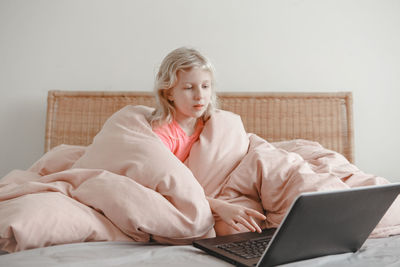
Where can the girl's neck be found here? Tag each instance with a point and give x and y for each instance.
(188, 125)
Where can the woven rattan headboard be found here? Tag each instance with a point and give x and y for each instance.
(75, 117)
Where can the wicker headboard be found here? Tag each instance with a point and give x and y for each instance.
(75, 117)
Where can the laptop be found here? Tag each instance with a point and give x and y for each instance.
(317, 224)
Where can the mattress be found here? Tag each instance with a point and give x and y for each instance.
(374, 252)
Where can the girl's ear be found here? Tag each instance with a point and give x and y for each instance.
(168, 94)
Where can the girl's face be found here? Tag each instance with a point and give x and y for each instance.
(191, 94)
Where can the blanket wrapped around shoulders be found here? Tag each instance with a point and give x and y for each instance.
(128, 186)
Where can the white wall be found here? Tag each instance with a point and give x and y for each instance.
(256, 45)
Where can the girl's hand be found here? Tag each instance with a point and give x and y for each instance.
(233, 214)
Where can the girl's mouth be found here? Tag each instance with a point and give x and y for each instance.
(198, 106)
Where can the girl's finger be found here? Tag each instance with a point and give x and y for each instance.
(255, 214)
(246, 224)
(233, 225)
(255, 225)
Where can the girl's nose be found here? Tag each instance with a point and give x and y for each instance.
(198, 93)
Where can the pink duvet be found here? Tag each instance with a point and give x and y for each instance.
(128, 186)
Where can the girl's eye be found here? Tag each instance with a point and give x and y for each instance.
(206, 86)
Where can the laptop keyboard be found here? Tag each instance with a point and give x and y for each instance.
(247, 249)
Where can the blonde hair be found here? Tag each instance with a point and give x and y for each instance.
(179, 59)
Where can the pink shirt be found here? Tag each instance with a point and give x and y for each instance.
(176, 139)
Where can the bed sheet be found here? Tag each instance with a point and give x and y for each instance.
(375, 252)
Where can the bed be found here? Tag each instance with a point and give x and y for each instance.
(76, 117)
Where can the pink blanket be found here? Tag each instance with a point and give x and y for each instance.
(128, 186)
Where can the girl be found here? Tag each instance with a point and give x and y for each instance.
(186, 98)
